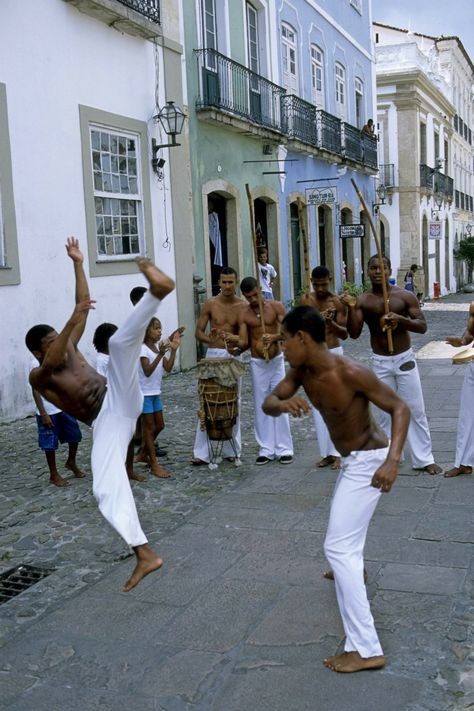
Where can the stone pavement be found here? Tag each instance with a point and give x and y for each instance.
(239, 617)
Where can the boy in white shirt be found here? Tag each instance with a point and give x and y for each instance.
(101, 344)
(267, 274)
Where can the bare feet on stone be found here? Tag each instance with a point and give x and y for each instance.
(329, 575)
(78, 473)
(141, 458)
(147, 562)
(456, 471)
(160, 284)
(326, 461)
(159, 471)
(431, 469)
(133, 476)
(58, 480)
(349, 662)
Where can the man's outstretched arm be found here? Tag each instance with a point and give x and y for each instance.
(82, 287)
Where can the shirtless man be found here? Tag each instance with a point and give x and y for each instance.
(267, 369)
(399, 369)
(221, 312)
(464, 462)
(66, 379)
(342, 390)
(334, 314)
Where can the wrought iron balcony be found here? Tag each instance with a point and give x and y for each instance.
(444, 186)
(369, 146)
(148, 8)
(329, 128)
(387, 175)
(229, 86)
(426, 177)
(353, 147)
(300, 121)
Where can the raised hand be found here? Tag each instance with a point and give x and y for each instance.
(72, 248)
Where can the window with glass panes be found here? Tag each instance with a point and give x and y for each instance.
(209, 30)
(340, 88)
(290, 67)
(317, 75)
(117, 192)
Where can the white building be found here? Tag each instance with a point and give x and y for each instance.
(80, 81)
(424, 105)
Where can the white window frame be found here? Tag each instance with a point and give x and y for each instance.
(340, 90)
(113, 239)
(115, 125)
(209, 30)
(289, 57)
(317, 76)
(359, 102)
(252, 41)
(9, 256)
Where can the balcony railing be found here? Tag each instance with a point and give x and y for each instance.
(148, 8)
(231, 87)
(300, 120)
(436, 182)
(353, 143)
(387, 175)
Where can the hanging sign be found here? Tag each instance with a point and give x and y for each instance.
(435, 229)
(351, 231)
(321, 196)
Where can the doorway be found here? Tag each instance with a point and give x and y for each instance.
(216, 209)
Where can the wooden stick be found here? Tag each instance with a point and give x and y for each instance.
(382, 264)
(255, 254)
(307, 277)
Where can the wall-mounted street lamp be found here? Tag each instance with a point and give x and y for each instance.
(468, 229)
(171, 118)
(381, 195)
(439, 204)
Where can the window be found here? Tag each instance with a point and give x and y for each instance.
(359, 102)
(340, 91)
(117, 191)
(289, 61)
(9, 262)
(252, 38)
(209, 31)
(117, 195)
(317, 76)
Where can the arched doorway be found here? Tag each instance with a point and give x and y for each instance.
(426, 253)
(347, 248)
(325, 238)
(296, 249)
(447, 275)
(266, 228)
(216, 214)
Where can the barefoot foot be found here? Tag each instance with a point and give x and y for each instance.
(158, 471)
(147, 562)
(326, 461)
(349, 662)
(430, 469)
(58, 480)
(133, 476)
(336, 463)
(75, 470)
(141, 458)
(456, 471)
(160, 284)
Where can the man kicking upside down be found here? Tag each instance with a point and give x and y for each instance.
(342, 390)
(110, 407)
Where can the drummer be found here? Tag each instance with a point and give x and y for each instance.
(464, 461)
(221, 313)
(267, 368)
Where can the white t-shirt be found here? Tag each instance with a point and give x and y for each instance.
(151, 385)
(267, 274)
(102, 364)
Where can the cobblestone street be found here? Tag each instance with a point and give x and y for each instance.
(242, 610)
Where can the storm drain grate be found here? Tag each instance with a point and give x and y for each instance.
(19, 579)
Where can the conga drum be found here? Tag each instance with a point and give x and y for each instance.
(218, 396)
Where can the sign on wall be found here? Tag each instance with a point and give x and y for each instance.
(321, 196)
(351, 231)
(435, 229)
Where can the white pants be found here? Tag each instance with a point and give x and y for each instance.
(114, 426)
(273, 434)
(407, 385)
(201, 442)
(353, 505)
(465, 435)
(325, 443)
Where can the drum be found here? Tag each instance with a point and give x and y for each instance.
(218, 395)
(464, 357)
